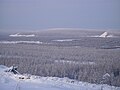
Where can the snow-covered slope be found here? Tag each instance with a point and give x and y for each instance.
(10, 81)
(104, 35)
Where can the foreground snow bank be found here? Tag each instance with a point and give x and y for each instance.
(10, 81)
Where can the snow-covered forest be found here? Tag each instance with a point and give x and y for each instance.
(11, 81)
(82, 59)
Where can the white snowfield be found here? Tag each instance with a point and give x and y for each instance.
(105, 34)
(21, 35)
(17, 42)
(64, 40)
(10, 81)
(74, 62)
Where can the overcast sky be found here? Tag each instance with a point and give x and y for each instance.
(42, 14)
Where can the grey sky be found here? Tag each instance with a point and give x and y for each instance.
(42, 14)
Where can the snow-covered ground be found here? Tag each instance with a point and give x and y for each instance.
(15, 42)
(21, 35)
(109, 36)
(104, 35)
(10, 81)
(64, 40)
(75, 62)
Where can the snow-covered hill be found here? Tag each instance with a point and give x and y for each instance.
(10, 81)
